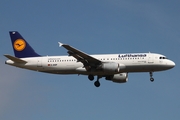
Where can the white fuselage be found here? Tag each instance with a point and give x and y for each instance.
(135, 62)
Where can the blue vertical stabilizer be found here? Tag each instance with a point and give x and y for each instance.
(20, 46)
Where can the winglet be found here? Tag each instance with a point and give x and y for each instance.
(60, 44)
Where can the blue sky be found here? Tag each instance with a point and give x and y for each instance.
(96, 26)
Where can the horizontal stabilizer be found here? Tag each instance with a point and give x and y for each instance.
(15, 59)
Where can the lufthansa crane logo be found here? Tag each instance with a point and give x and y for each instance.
(19, 44)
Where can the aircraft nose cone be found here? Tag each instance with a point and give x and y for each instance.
(171, 64)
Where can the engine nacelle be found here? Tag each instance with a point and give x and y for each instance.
(118, 78)
(110, 67)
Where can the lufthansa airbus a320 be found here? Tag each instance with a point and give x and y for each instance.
(113, 67)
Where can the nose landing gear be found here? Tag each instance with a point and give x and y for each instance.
(151, 76)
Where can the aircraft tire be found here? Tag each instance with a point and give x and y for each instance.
(152, 79)
(97, 83)
(91, 77)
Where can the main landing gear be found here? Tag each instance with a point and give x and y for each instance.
(151, 78)
(96, 83)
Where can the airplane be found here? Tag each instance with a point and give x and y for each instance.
(113, 67)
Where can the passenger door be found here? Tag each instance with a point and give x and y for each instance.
(39, 62)
(150, 58)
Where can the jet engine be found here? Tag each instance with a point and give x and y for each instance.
(110, 67)
(118, 78)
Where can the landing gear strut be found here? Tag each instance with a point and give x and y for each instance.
(97, 83)
(151, 78)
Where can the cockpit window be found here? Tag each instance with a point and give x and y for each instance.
(162, 58)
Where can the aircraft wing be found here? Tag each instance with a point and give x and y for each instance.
(86, 59)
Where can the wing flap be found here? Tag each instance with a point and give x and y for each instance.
(15, 59)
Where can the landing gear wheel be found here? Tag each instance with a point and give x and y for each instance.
(91, 77)
(97, 83)
(152, 79)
